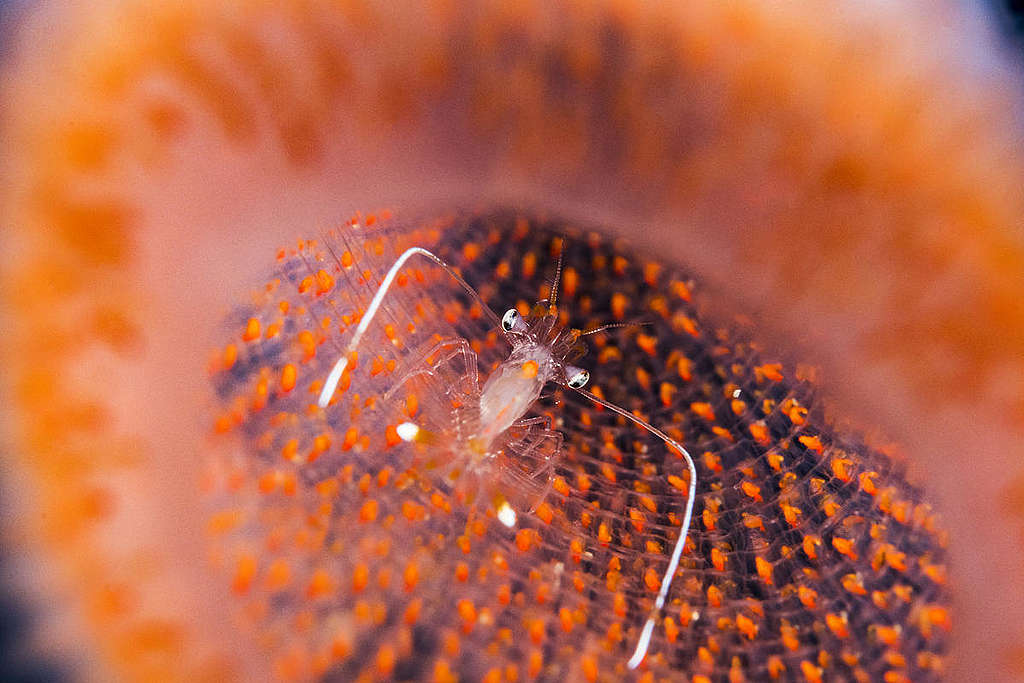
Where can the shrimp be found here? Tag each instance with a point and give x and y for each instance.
(492, 422)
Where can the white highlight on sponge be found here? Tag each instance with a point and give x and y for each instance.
(506, 515)
(407, 431)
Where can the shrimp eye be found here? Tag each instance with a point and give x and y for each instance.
(510, 319)
(576, 378)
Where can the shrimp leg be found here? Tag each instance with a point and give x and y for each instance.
(444, 351)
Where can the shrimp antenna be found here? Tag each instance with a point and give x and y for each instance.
(610, 326)
(558, 274)
(673, 565)
(331, 383)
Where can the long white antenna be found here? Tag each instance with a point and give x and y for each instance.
(331, 383)
(666, 582)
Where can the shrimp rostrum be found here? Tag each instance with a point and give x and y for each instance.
(468, 431)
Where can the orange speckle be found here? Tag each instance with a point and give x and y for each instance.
(671, 630)
(619, 605)
(895, 677)
(867, 482)
(853, 584)
(651, 579)
(936, 573)
(391, 437)
(771, 371)
(288, 376)
(837, 623)
(890, 635)
(252, 330)
(224, 521)
(341, 647)
(684, 368)
(385, 660)
(712, 461)
(324, 282)
(351, 437)
(648, 343)
(718, 559)
(467, 612)
(320, 584)
(753, 521)
(812, 443)
(245, 570)
(530, 368)
(290, 450)
(939, 616)
(320, 445)
(759, 430)
(230, 356)
(565, 619)
(678, 482)
(451, 644)
(545, 513)
(764, 570)
(589, 667)
(536, 663)
(368, 512)
(812, 673)
(618, 305)
(808, 596)
(841, 469)
(791, 513)
(746, 626)
(709, 518)
(278, 575)
(681, 290)
(529, 265)
(789, 636)
(704, 410)
(536, 631)
(360, 577)
(411, 576)
(752, 490)
(811, 544)
(667, 392)
(636, 519)
(845, 547)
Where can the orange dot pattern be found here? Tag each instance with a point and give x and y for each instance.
(810, 558)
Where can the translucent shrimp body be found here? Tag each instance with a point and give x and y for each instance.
(542, 350)
(513, 388)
